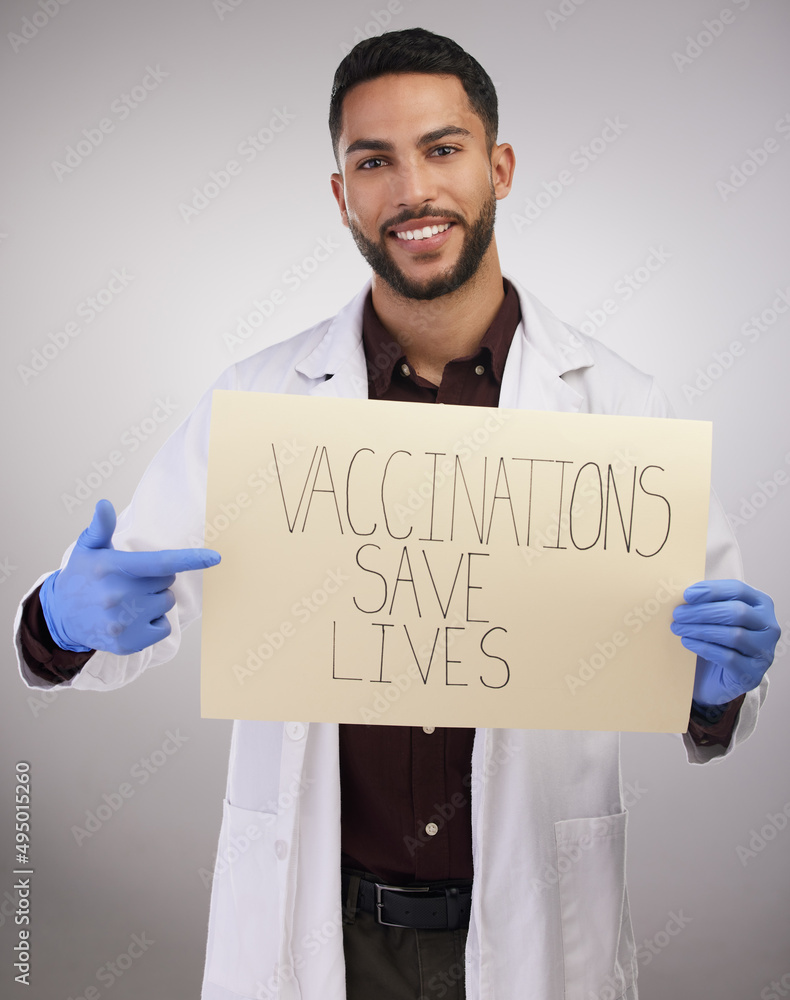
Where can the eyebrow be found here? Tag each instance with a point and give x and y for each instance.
(383, 146)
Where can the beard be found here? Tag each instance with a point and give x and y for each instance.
(476, 242)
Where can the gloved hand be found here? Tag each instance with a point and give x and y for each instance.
(733, 630)
(112, 600)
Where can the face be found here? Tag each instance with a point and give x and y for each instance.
(418, 190)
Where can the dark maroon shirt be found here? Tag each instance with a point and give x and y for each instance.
(406, 810)
(405, 791)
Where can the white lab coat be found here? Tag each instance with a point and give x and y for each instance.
(550, 917)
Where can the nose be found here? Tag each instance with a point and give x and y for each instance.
(414, 184)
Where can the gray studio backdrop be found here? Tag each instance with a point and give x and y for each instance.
(650, 207)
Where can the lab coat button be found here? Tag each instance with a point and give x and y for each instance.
(295, 730)
(431, 829)
(428, 729)
(281, 849)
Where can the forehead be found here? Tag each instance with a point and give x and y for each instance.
(404, 105)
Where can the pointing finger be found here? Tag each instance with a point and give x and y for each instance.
(165, 562)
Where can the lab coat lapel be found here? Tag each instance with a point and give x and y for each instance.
(337, 363)
(542, 351)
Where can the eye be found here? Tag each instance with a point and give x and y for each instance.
(440, 149)
(364, 164)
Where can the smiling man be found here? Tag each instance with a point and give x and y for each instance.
(421, 175)
(413, 862)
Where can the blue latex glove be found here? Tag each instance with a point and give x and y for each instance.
(733, 630)
(112, 600)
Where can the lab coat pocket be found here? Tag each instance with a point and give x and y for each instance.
(597, 939)
(244, 922)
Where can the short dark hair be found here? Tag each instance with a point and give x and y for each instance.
(413, 50)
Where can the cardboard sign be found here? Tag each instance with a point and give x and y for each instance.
(406, 564)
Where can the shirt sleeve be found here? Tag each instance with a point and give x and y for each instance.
(41, 653)
(714, 726)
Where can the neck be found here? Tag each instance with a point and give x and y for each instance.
(432, 332)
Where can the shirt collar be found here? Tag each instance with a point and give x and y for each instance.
(382, 353)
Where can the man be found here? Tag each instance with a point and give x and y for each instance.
(508, 845)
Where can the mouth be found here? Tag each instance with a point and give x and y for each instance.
(413, 237)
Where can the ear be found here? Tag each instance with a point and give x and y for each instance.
(503, 167)
(338, 190)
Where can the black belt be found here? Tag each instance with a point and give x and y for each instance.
(437, 906)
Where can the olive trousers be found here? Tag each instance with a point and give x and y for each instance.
(399, 963)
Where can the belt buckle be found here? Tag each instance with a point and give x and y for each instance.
(398, 888)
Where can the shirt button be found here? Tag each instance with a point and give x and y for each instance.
(295, 730)
(405, 370)
(431, 829)
(479, 370)
(281, 849)
(428, 729)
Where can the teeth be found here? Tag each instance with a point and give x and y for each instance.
(422, 234)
